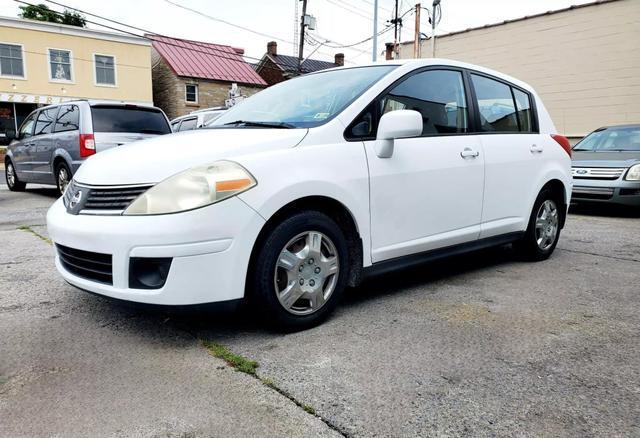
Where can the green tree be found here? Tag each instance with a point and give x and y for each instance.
(43, 13)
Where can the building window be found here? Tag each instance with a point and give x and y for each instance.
(105, 70)
(11, 63)
(60, 65)
(191, 93)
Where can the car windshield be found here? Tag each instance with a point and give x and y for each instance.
(303, 102)
(611, 140)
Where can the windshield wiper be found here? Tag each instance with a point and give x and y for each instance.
(581, 149)
(279, 125)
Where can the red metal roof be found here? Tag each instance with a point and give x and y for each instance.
(196, 59)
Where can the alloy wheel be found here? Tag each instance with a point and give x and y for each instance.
(546, 224)
(11, 175)
(63, 179)
(306, 273)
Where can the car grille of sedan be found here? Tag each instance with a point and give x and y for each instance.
(597, 172)
(84, 199)
(90, 265)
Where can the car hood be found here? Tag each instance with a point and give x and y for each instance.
(152, 160)
(604, 159)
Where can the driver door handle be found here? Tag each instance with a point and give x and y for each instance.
(536, 149)
(469, 153)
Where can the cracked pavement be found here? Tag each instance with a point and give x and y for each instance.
(479, 345)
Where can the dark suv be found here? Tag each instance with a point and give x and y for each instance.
(54, 140)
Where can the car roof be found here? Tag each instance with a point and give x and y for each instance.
(95, 102)
(629, 126)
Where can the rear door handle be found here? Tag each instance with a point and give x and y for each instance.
(536, 149)
(469, 153)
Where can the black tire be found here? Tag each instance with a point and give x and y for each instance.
(263, 294)
(16, 185)
(528, 246)
(62, 167)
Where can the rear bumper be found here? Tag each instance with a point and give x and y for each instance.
(613, 192)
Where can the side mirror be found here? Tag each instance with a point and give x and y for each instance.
(396, 124)
(10, 134)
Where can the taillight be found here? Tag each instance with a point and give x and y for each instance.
(87, 145)
(562, 141)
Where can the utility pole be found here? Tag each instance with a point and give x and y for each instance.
(396, 22)
(416, 38)
(434, 10)
(375, 30)
(302, 25)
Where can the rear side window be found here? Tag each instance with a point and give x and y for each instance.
(189, 124)
(68, 118)
(130, 119)
(496, 106)
(438, 95)
(45, 121)
(523, 105)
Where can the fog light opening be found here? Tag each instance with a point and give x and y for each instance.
(148, 273)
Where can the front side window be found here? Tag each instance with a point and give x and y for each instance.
(68, 118)
(306, 101)
(46, 119)
(26, 129)
(438, 95)
(60, 65)
(191, 93)
(495, 103)
(11, 63)
(105, 70)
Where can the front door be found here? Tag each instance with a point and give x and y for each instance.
(428, 194)
(22, 150)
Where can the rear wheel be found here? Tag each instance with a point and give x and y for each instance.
(63, 177)
(14, 184)
(543, 230)
(300, 272)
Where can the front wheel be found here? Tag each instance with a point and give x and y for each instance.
(10, 175)
(300, 271)
(543, 230)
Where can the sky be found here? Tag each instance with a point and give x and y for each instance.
(338, 22)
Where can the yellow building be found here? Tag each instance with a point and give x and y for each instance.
(43, 63)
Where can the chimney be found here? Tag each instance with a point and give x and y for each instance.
(272, 48)
(388, 53)
(339, 59)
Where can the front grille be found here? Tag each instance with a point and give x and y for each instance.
(90, 265)
(597, 172)
(579, 192)
(80, 198)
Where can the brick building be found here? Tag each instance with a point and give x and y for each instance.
(274, 68)
(191, 75)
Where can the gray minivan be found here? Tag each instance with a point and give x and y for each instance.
(54, 140)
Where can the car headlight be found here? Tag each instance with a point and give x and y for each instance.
(633, 174)
(193, 188)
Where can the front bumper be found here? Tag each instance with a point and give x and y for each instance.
(210, 249)
(617, 191)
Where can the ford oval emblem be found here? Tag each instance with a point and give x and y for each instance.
(582, 171)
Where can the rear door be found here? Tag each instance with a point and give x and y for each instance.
(429, 193)
(115, 125)
(513, 153)
(67, 134)
(43, 155)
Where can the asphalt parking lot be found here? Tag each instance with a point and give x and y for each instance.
(480, 345)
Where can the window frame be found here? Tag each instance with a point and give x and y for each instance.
(24, 63)
(193, 102)
(470, 97)
(188, 119)
(95, 71)
(471, 125)
(71, 69)
(535, 127)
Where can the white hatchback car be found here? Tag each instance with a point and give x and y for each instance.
(314, 183)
